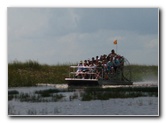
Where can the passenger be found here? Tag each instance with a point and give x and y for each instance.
(99, 70)
(101, 58)
(116, 63)
(108, 58)
(96, 63)
(92, 70)
(104, 65)
(85, 69)
(89, 62)
(92, 65)
(112, 54)
(105, 57)
(110, 66)
(86, 63)
(97, 57)
(80, 66)
(93, 60)
(79, 70)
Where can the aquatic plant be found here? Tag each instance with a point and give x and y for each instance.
(47, 93)
(74, 96)
(39, 97)
(120, 92)
(12, 94)
(57, 97)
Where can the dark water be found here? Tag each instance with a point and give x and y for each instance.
(71, 103)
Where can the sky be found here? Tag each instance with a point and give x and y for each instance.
(68, 35)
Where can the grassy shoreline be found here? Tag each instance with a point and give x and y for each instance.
(31, 73)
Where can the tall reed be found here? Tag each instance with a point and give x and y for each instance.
(30, 73)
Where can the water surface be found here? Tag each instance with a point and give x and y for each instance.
(138, 106)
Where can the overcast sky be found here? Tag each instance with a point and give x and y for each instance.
(68, 35)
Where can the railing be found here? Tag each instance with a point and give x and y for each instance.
(91, 72)
(122, 73)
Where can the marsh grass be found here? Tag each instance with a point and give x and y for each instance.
(47, 93)
(74, 96)
(90, 93)
(12, 94)
(121, 92)
(30, 73)
(144, 72)
(47, 97)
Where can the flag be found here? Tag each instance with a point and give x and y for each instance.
(115, 42)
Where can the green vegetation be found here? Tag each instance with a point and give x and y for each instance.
(12, 94)
(45, 97)
(90, 93)
(31, 73)
(121, 92)
(49, 92)
(144, 72)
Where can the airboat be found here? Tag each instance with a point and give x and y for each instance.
(95, 76)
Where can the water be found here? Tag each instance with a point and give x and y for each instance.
(140, 106)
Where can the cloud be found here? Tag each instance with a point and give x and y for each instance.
(129, 19)
(61, 35)
(26, 22)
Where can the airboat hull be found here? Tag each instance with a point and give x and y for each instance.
(81, 82)
(94, 82)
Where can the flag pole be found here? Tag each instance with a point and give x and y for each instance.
(116, 43)
(117, 48)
